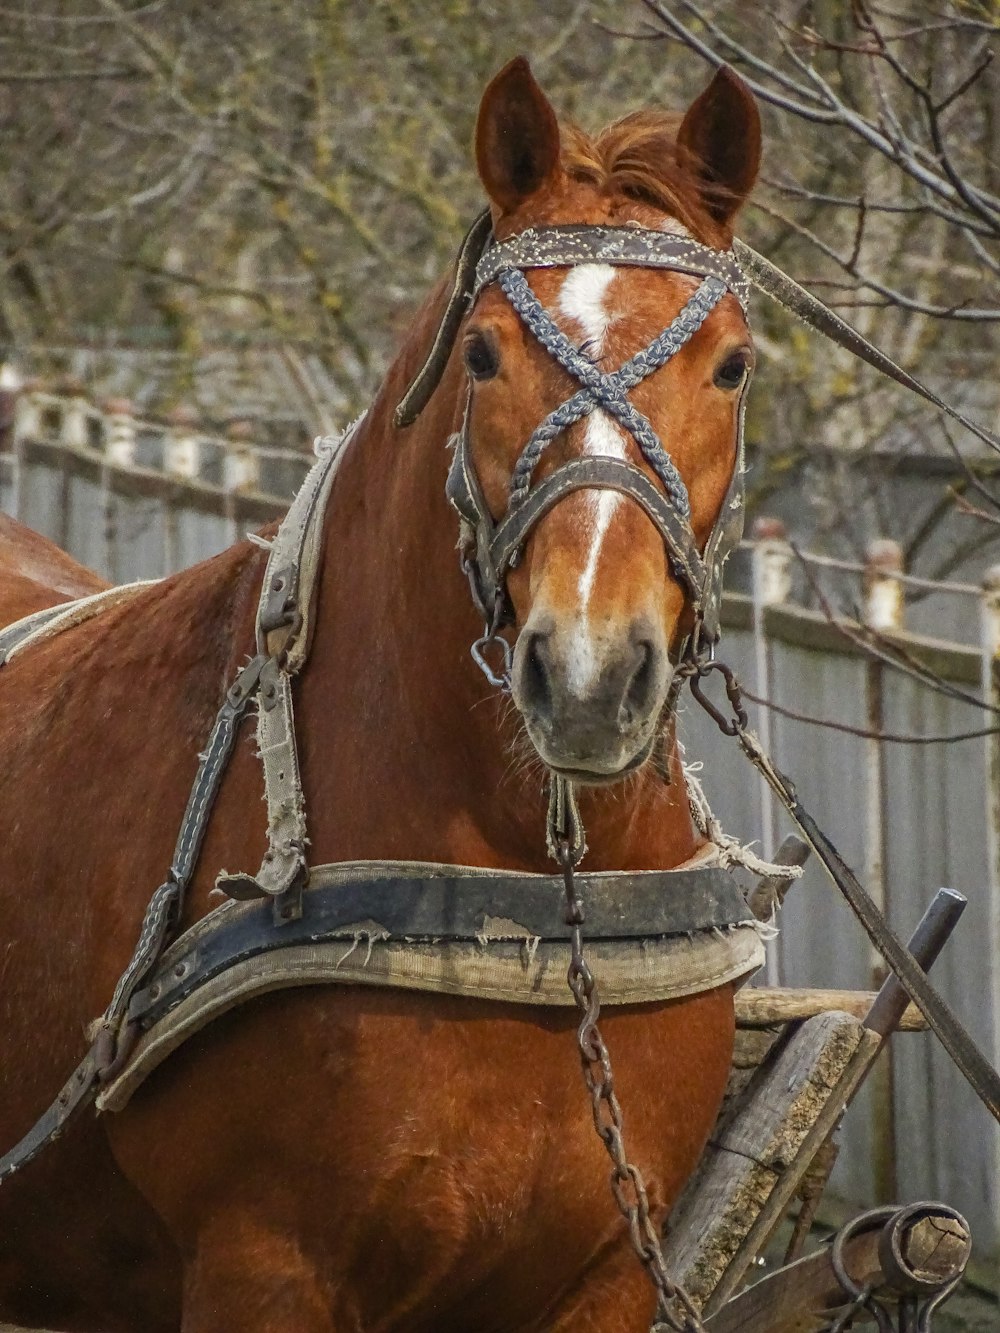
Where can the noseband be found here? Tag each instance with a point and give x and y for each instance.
(492, 547)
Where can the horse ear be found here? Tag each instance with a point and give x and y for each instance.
(719, 139)
(517, 136)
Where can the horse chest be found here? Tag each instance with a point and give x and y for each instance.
(427, 1152)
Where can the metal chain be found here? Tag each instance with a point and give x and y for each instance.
(674, 1308)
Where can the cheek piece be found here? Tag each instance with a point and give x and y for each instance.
(492, 546)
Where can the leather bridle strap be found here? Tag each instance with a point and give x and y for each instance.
(429, 375)
(972, 1064)
(629, 246)
(600, 472)
(605, 391)
(794, 298)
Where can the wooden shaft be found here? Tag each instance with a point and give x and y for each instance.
(929, 938)
(802, 1297)
(767, 1006)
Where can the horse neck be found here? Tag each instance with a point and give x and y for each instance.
(402, 696)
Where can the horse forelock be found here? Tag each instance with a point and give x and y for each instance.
(637, 159)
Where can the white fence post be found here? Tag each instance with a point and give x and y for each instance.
(241, 470)
(74, 429)
(771, 585)
(182, 445)
(27, 417)
(120, 432)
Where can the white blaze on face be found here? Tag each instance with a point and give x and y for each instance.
(583, 300)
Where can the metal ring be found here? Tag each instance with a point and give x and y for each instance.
(478, 650)
(862, 1297)
(899, 1273)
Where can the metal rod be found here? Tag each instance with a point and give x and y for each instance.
(926, 943)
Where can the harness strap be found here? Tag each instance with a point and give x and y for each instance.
(77, 1092)
(428, 377)
(941, 1018)
(284, 615)
(52, 620)
(282, 635)
(630, 245)
(112, 1042)
(794, 298)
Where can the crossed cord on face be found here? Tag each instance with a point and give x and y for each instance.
(607, 391)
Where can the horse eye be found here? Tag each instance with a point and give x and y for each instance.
(481, 358)
(732, 372)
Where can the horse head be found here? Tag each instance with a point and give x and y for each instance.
(592, 588)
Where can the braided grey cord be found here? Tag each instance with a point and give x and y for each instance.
(607, 391)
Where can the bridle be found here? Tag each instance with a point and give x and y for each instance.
(490, 550)
(491, 547)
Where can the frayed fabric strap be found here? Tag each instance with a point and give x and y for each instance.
(284, 612)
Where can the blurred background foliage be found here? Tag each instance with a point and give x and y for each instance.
(192, 192)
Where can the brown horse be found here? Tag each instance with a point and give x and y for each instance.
(37, 574)
(345, 1158)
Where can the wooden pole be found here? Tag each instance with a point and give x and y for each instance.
(756, 1162)
(990, 644)
(917, 1250)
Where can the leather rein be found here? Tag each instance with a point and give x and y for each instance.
(490, 548)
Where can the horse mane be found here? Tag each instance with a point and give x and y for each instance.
(638, 157)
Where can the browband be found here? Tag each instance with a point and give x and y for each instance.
(641, 247)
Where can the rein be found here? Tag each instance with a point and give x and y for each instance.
(291, 913)
(496, 543)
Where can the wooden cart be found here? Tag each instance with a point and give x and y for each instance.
(800, 1058)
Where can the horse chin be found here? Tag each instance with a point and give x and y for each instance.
(594, 772)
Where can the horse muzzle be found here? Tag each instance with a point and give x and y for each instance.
(590, 701)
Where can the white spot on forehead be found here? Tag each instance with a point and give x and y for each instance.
(582, 299)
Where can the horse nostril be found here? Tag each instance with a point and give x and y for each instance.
(641, 687)
(535, 685)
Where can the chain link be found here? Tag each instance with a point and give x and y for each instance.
(674, 1308)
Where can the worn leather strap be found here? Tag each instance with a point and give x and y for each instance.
(52, 620)
(627, 246)
(284, 612)
(434, 907)
(600, 472)
(428, 377)
(12, 636)
(791, 296)
(77, 1092)
(941, 1018)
